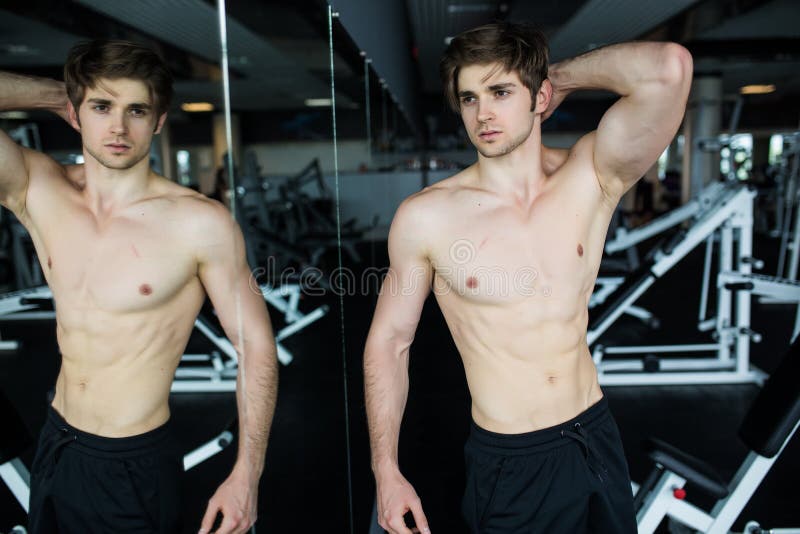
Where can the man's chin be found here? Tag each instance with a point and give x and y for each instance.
(119, 164)
(493, 152)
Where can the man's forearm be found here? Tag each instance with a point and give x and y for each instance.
(256, 393)
(386, 390)
(622, 68)
(18, 92)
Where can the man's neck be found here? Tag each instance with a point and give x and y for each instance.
(109, 190)
(518, 174)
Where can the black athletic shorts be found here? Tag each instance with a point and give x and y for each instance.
(570, 478)
(86, 484)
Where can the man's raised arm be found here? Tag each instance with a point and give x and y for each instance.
(240, 307)
(402, 296)
(653, 80)
(23, 93)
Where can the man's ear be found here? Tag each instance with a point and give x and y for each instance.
(543, 96)
(160, 123)
(72, 116)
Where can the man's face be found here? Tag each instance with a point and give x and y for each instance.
(495, 108)
(117, 121)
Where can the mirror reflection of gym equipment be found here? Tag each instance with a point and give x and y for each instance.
(317, 119)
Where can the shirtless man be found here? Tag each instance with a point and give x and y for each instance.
(511, 247)
(129, 257)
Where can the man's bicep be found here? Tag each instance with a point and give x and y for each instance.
(239, 305)
(400, 303)
(629, 139)
(408, 281)
(230, 285)
(635, 131)
(13, 172)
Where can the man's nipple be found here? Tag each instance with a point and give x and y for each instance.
(145, 289)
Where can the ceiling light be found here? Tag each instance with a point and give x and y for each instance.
(470, 8)
(318, 102)
(194, 107)
(13, 115)
(757, 89)
(18, 50)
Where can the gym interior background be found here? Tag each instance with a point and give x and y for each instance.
(334, 115)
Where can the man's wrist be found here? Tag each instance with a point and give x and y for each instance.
(57, 97)
(50, 94)
(243, 470)
(559, 78)
(385, 467)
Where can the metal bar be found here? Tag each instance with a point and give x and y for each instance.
(687, 378)
(18, 480)
(640, 349)
(207, 450)
(671, 364)
(701, 316)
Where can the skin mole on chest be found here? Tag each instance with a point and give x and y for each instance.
(145, 289)
(580, 250)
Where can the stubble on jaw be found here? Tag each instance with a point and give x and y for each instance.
(505, 149)
(120, 166)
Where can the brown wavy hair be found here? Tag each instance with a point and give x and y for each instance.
(519, 48)
(90, 61)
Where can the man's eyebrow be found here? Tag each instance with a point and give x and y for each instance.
(107, 102)
(500, 86)
(466, 93)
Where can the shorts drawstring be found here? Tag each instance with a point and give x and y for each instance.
(593, 459)
(50, 459)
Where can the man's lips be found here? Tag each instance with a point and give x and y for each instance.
(118, 147)
(489, 134)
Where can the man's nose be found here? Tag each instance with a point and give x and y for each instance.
(485, 111)
(119, 123)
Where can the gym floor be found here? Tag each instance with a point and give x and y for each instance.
(306, 487)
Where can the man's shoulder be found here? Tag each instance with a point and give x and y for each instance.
(433, 199)
(422, 217)
(580, 154)
(203, 212)
(49, 182)
(581, 165)
(43, 167)
(200, 219)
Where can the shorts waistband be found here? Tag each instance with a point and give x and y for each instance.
(537, 440)
(128, 446)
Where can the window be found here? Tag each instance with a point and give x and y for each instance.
(184, 167)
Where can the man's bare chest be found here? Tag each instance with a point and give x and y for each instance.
(499, 257)
(123, 265)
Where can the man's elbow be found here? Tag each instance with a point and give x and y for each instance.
(675, 67)
(385, 350)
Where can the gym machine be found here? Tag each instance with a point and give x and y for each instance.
(626, 240)
(769, 425)
(725, 213)
(787, 210)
